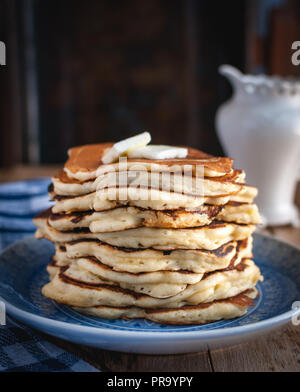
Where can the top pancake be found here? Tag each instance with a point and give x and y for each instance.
(85, 162)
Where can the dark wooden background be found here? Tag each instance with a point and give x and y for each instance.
(97, 70)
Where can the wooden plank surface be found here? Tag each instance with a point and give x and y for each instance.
(21, 172)
(277, 351)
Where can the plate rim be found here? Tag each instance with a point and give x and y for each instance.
(269, 323)
(30, 318)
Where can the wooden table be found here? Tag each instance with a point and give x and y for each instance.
(278, 351)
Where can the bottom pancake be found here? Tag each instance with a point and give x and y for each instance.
(203, 313)
(198, 314)
(75, 287)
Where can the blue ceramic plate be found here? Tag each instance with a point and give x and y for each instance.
(22, 274)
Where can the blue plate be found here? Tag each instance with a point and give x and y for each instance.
(22, 274)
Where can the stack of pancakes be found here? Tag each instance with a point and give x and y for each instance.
(169, 256)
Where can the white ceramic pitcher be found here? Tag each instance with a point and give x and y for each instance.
(260, 128)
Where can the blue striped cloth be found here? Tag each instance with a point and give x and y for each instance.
(21, 348)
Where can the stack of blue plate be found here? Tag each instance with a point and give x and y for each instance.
(19, 203)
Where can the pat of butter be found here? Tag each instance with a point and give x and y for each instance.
(126, 146)
(158, 152)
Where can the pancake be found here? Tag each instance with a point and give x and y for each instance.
(197, 314)
(151, 283)
(85, 162)
(158, 289)
(94, 266)
(144, 198)
(53, 267)
(65, 186)
(111, 270)
(74, 290)
(60, 257)
(169, 182)
(123, 218)
(205, 237)
(148, 260)
(244, 213)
